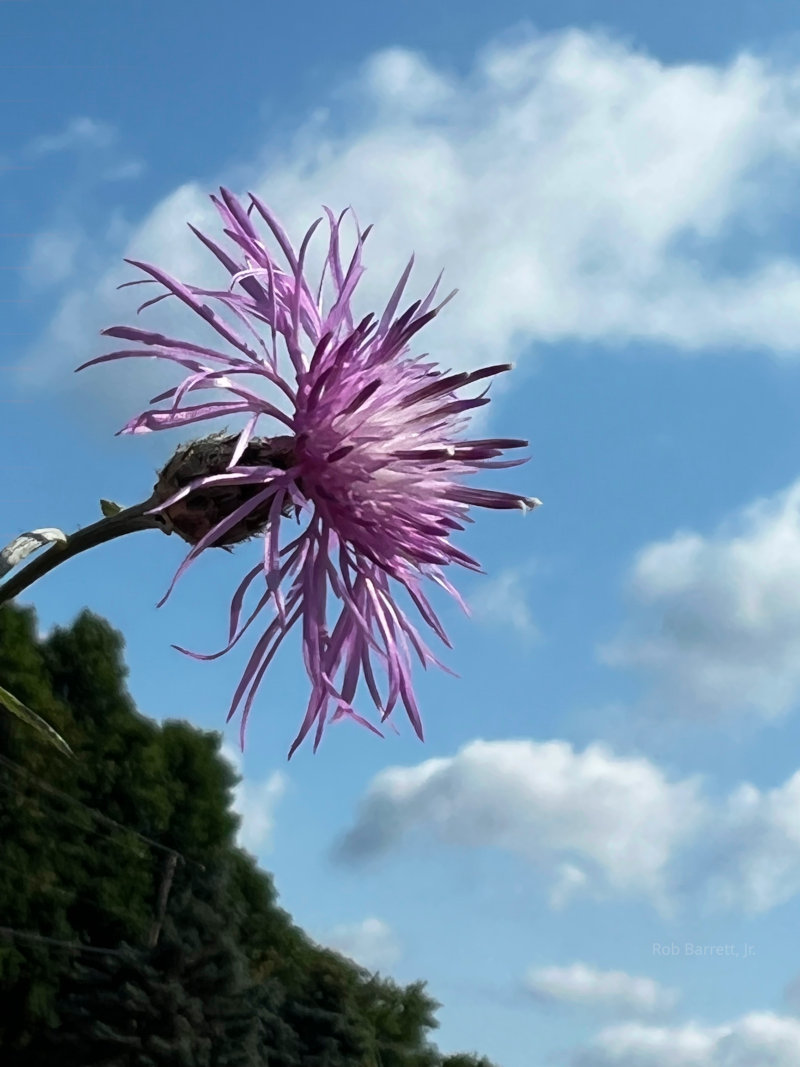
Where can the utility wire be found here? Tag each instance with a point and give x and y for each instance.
(172, 858)
(72, 946)
(94, 812)
(71, 819)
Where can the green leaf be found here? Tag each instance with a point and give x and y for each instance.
(109, 508)
(16, 707)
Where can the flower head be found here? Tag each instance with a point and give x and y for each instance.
(370, 459)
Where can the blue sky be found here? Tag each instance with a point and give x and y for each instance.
(606, 809)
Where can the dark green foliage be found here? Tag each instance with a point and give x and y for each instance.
(187, 1000)
(400, 1018)
(229, 981)
(464, 1059)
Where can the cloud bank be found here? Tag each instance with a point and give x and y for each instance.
(759, 1039)
(590, 823)
(715, 619)
(573, 188)
(580, 985)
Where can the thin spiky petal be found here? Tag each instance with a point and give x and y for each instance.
(376, 460)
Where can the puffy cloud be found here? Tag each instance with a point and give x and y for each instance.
(127, 170)
(616, 821)
(371, 942)
(760, 1038)
(502, 600)
(571, 186)
(610, 991)
(593, 823)
(568, 880)
(254, 801)
(79, 132)
(98, 302)
(52, 257)
(750, 857)
(716, 620)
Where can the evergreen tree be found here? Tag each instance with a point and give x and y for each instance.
(119, 972)
(401, 1019)
(185, 1002)
(464, 1059)
(33, 895)
(323, 1012)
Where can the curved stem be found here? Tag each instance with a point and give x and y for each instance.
(106, 529)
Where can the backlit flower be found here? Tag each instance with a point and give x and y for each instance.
(370, 459)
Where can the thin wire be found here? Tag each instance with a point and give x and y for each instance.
(73, 946)
(72, 820)
(95, 813)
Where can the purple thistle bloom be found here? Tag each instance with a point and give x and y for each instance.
(371, 455)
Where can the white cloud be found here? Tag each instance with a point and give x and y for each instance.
(52, 257)
(77, 133)
(571, 186)
(117, 392)
(125, 171)
(254, 801)
(568, 880)
(403, 83)
(371, 943)
(610, 991)
(760, 1039)
(592, 823)
(616, 821)
(70, 337)
(750, 856)
(502, 600)
(716, 625)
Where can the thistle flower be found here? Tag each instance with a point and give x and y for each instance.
(371, 461)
